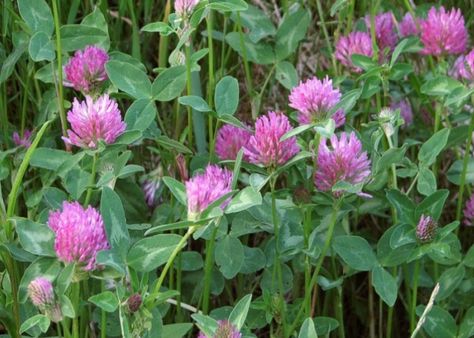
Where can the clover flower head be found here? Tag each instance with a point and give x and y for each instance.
(354, 43)
(463, 67)
(469, 212)
(426, 229)
(408, 26)
(385, 32)
(41, 292)
(93, 120)
(80, 234)
(265, 147)
(24, 141)
(184, 8)
(230, 140)
(443, 32)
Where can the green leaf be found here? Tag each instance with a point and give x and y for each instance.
(439, 323)
(173, 145)
(64, 279)
(41, 47)
(106, 300)
(114, 219)
(259, 53)
(385, 285)
(291, 31)
(195, 102)
(130, 79)
(356, 252)
(169, 84)
(363, 61)
(240, 311)
(337, 6)
(469, 258)
(140, 115)
(455, 171)
(67, 308)
(426, 184)
(176, 330)
(433, 204)
(226, 96)
(400, 48)
(391, 156)
(324, 325)
(35, 238)
(404, 206)
(37, 15)
(191, 261)
(39, 320)
(449, 280)
(286, 74)
(256, 21)
(9, 63)
(440, 85)
(254, 260)
(206, 324)
(149, 253)
(348, 101)
(228, 5)
(296, 131)
(229, 256)
(466, 328)
(47, 158)
(111, 259)
(433, 147)
(246, 198)
(307, 329)
(74, 37)
(177, 189)
(160, 27)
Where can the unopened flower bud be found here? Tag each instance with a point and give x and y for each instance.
(426, 229)
(134, 302)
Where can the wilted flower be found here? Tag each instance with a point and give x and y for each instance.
(86, 69)
(225, 329)
(408, 26)
(230, 140)
(80, 234)
(92, 121)
(344, 161)
(205, 188)
(469, 212)
(426, 229)
(464, 67)
(314, 99)
(134, 302)
(265, 147)
(387, 120)
(385, 33)
(443, 32)
(41, 293)
(354, 43)
(405, 111)
(24, 141)
(184, 8)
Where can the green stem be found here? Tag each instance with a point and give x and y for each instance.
(170, 261)
(277, 252)
(326, 35)
(307, 271)
(390, 312)
(207, 270)
(319, 264)
(103, 317)
(210, 84)
(76, 296)
(189, 89)
(467, 156)
(248, 76)
(414, 296)
(92, 180)
(62, 114)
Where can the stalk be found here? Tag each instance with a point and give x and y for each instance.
(207, 270)
(466, 158)
(326, 35)
(103, 316)
(62, 114)
(248, 76)
(319, 264)
(170, 261)
(76, 294)
(210, 84)
(189, 90)
(92, 180)
(416, 274)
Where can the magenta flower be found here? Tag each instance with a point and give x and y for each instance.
(230, 140)
(184, 8)
(426, 229)
(385, 32)
(41, 292)
(408, 26)
(205, 188)
(344, 161)
(314, 99)
(225, 330)
(464, 67)
(443, 32)
(24, 141)
(265, 147)
(80, 234)
(469, 211)
(86, 69)
(354, 43)
(405, 111)
(151, 184)
(92, 121)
